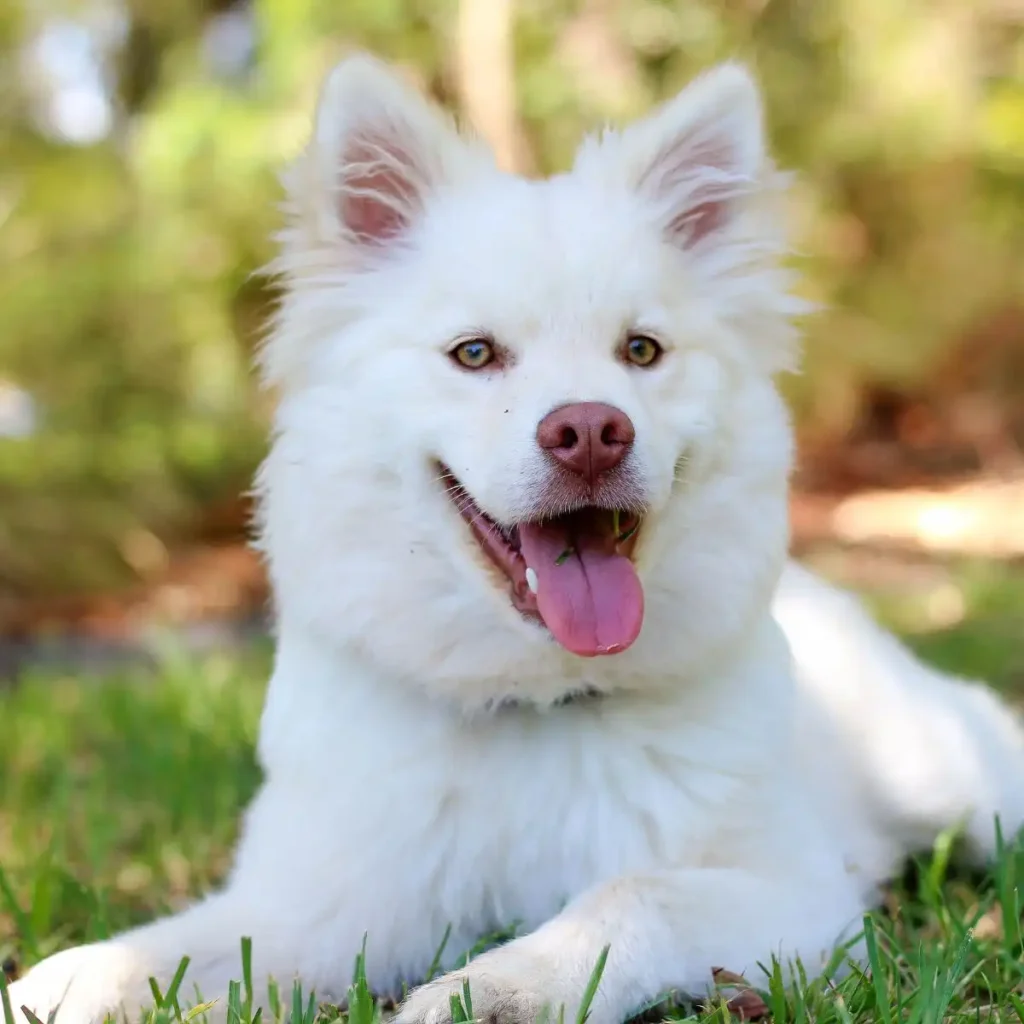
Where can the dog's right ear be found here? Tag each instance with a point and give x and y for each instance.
(378, 151)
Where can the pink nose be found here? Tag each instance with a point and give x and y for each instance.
(588, 438)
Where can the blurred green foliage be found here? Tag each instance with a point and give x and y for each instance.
(127, 302)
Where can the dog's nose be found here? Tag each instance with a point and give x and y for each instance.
(588, 438)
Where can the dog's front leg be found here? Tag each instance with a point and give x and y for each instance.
(86, 983)
(666, 931)
(294, 898)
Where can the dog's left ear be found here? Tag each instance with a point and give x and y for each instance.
(695, 158)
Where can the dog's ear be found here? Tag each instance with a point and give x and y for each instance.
(695, 158)
(378, 151)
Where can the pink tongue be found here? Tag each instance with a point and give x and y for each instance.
(591, 599)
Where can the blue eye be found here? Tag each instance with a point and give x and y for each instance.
(474, 354)
(642, 351)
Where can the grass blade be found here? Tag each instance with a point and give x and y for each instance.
(877, 975)
(591, 990)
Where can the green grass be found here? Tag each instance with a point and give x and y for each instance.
(120, 799)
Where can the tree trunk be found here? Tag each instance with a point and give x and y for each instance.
(485, 73)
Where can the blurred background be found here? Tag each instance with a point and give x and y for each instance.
(139, 146)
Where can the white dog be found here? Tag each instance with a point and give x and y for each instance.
(541, 657)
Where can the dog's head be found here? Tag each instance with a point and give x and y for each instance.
(524, 423)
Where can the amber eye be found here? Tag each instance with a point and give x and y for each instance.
(474, 354)
(642, 351)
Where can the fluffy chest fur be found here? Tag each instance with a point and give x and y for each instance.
(502, 818)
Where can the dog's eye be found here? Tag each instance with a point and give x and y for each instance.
(474, 354)
(641, 350)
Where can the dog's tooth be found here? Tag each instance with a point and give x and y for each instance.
(531, 580)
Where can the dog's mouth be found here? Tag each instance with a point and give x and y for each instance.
(574, 572)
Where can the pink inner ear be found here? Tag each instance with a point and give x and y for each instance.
(701, 219)
(379, 193)
(702, 173)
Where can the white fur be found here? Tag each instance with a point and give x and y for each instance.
(714, 806)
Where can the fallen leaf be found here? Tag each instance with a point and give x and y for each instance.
(741, 1000)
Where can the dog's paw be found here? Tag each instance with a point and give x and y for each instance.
(80, 985)
(496, 998)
